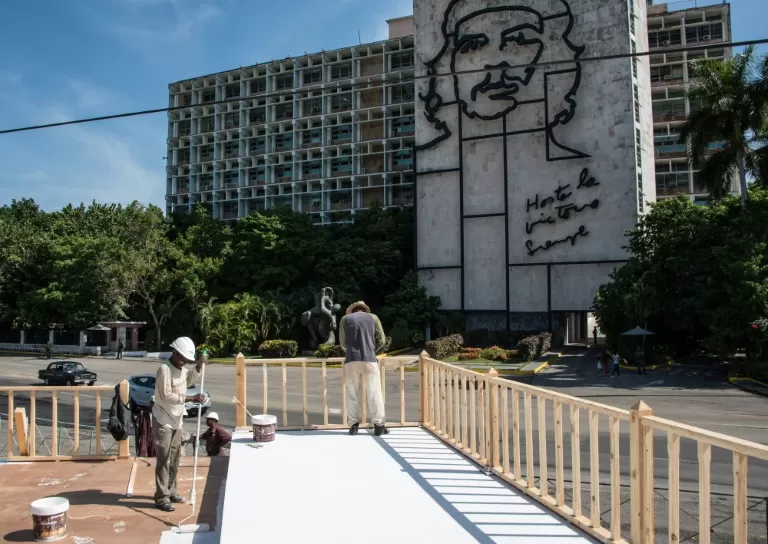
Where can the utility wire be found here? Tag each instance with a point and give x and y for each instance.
(366, 86)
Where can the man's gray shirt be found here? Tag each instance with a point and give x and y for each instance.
(362, 335)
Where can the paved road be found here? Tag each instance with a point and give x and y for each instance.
(690, 395)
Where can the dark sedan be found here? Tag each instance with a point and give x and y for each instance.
(66, 373)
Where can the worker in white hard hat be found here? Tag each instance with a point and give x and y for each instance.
(172, 381)
(216, 438)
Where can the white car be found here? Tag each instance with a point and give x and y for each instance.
(142, 388)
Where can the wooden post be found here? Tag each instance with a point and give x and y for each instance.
(240, 377)
(22, 428)
(494, 460)
(637, 472)
(423, 406)
(123, 447)
(10, 424)
(32, 420)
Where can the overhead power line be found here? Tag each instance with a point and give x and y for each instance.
(365, 86)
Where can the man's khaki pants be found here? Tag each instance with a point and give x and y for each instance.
(168, 454)
(357, 373)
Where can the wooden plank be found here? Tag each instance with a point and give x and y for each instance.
(123, 446)
(402, 393)
(240, 391)
(648, 490)
(449, 405)
(740, 528)
(541, 410)
(443, 406)
(615, 480)
(132, 479)
(576, 460)
(21, 430)
(32, 424)
(285, 393)
(527, 408)
(76, 415)
(637, 414)
(559, 476)
(457, 408)
(473, 415)
(325, 395)
(464, 412)
(59, 388)
(50, 458)
(673, 497)
(482, 412)
(304, 411)
(516, 433)
(505, 429)
(594, 469)
(344, 420)
(705, 475)
(10, 424)
(265, 389)
(98, 423)
(55, 423)
(494, 453)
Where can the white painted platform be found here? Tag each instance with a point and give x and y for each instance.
(407, 487)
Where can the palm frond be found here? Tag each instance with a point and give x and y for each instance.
(717, 172)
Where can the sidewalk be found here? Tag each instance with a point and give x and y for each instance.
(748, 384)
(518, 369)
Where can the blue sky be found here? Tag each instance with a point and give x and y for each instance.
(71, 59)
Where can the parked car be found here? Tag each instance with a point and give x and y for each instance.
(142, 388)
(66, 373)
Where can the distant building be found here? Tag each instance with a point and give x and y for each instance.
(670, 77)
(336, 138)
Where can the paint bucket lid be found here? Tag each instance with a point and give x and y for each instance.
(264, 419)
(49, 506)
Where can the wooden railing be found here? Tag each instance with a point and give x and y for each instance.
(501, 424)
(328, 368)
(21, 430)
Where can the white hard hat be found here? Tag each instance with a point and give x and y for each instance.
(212, 415)
(186, 348)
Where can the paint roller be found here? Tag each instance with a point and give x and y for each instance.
(235, 401)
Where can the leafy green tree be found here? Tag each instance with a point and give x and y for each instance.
(730, 98)
(409, 310)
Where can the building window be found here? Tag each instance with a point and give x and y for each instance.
(231, 179)
(703, 33)
(185, 128)
(206, 153)
(341, 165)
(341, 133)
(284, 141)
(257, 116)
(313, 106)
(402, 93)
(284, 82)
(403, 125)
(182, 185)
(207, 124)
(187, 100)
(315, 75)
(341, 101)
(259, 86)
(402, 159)
(284, 111)
(636, 93)
(257, 145)
(400, 61)
(339, 71)
(257, 175)
(664, 38)
(209, 96)
(666, 74)
(312, 168)
(206, 182)
(312, 137)
(231, 149)
(233, 91)
(232, 120)
(183, 156)
(284, 172)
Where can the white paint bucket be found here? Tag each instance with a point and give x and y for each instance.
(264, 427)
(49, 518)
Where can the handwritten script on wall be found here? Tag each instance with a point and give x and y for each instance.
(557, 207)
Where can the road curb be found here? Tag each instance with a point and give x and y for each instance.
(538, 369)
(740, 383)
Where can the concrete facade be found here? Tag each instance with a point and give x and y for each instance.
(531, 165)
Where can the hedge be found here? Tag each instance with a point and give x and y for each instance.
(494, 353)
(534, 346)
(327, 351)
(442, 348)
(278, 349)
(386, 346)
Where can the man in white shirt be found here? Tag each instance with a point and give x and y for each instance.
(171, 384)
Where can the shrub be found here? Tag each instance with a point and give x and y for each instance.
(442, 348)
(513, 353)
(545, 342)
(278, 349)
(386, 346)
(470, 350)
(327, 351)
(529, 347)
(469, 356)
(494, 353)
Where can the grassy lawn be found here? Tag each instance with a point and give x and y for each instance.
(455, 360)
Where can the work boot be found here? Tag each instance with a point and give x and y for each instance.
(165, 507)
(178, 499)
(353, 429)
(379, 430)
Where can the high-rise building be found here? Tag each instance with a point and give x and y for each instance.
(326, 134)
(670, 78)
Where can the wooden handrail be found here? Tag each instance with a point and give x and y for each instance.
(24, 429)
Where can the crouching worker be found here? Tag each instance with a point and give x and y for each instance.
(216, 439)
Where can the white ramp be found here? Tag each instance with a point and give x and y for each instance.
(406, 487)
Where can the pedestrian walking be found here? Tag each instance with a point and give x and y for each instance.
(120, 348)
(594, 334)
(640, 357)
(616, 364)
(361, 335)
(171, 384)
(600, 367)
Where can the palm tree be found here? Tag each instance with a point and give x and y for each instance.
(731, 109)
